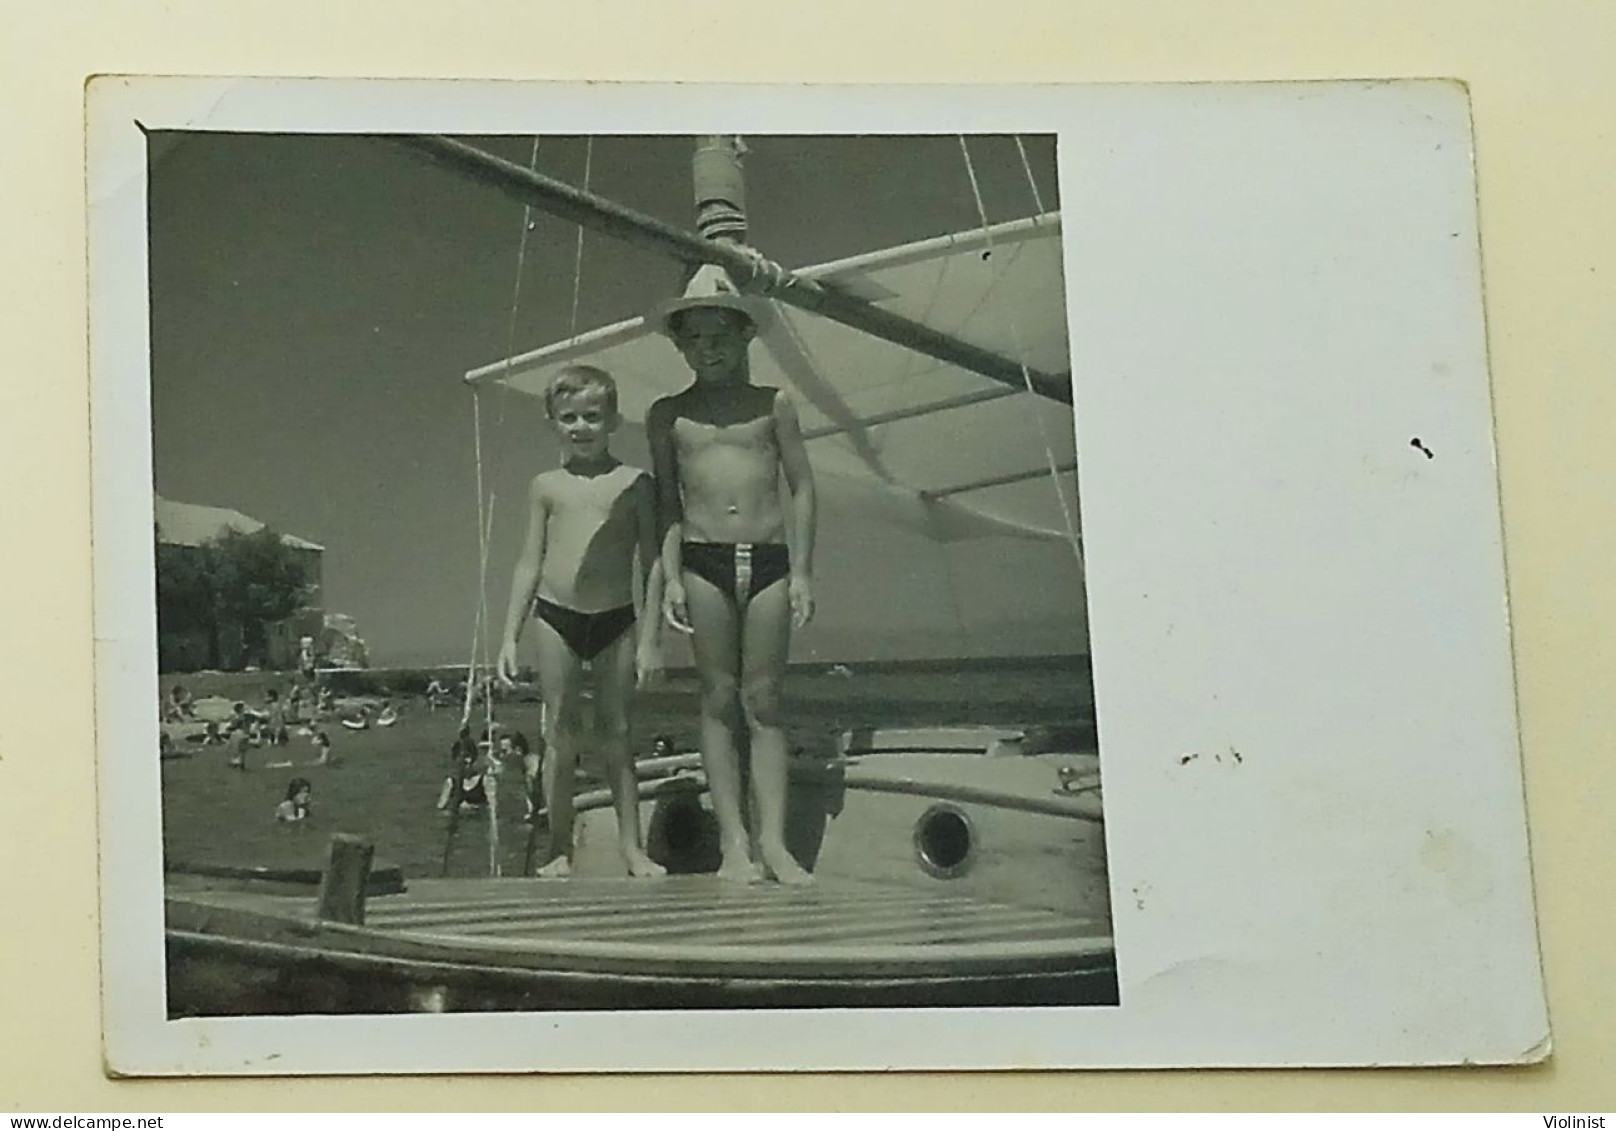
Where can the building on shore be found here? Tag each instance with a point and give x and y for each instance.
(190, 526)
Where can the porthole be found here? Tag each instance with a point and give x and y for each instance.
(945, 841)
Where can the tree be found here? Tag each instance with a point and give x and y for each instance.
(256, 580)
(185, 602)
(246, 580)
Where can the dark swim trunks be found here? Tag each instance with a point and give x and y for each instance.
(587, 634)
(739, 570)
(473, 791)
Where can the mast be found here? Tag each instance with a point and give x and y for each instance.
(720, 186)
(717, 173)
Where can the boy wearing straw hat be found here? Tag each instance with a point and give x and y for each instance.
(736, 555)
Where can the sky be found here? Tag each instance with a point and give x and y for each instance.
(316, 300)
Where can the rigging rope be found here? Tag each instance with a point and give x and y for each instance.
(1032, 182)
(578, 256)
(1021, 357)
(528, 226)
(521, 258)
(480, 634)
(491, 767)
(485, 503)
(482, 627)
(485, 527)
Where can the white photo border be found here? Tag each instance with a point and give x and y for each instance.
(1301, 645)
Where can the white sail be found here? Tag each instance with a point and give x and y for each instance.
(929, 445)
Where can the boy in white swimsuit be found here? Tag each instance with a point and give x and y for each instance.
(576, 576)
(736, 557)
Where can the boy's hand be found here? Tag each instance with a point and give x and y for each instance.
(648, 666)
(507, 663)
(801, 595)
(675, 608)
(767, 275)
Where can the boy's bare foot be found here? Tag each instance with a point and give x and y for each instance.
(738, 868)
(783, 867)
(556, 869)
(642, 866)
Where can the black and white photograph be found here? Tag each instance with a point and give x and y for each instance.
(654, 560)
(621, 578)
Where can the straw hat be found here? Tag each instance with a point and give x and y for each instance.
(711, 286)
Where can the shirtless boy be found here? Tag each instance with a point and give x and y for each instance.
(719, 448)
(576, 576)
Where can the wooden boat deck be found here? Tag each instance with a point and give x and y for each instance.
(678, 941)
(699, 921)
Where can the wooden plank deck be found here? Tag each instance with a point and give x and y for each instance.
(699, 923)
(675, 942)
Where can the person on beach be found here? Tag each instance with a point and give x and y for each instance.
(514, 746)
(246, 739)
(387, 715)
(322, 743)
(736, 556)
(275, 714)
(436, 694)
(178, 706)
(240, 718)
(468, 782)
(296, 806)
(307, 671)
(588, 521)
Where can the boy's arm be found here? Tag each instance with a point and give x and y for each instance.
(649, 657)
(525, 580)
(669, 511)
(804, 505)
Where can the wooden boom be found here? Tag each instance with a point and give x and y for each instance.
(636, 228)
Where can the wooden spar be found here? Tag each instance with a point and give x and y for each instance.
(1057, 804)
(961, 401)
(636, 228)
(997, 481)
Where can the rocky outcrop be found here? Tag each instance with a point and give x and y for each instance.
(342, 646)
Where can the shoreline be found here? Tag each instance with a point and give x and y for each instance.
(817, 666)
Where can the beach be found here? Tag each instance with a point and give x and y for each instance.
(383, 783)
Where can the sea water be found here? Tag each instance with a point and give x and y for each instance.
(383, 784)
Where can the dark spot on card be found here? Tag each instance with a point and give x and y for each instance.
(1419, 445)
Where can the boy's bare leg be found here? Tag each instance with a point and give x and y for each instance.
(559, 676)
(547, 774)
(765, 642)
(716, 643)
(532, 766)
(614, 682)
